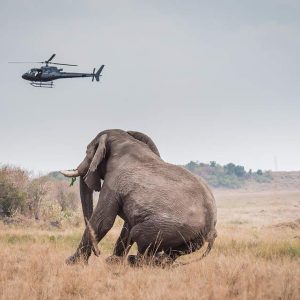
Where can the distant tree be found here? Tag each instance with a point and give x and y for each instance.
(12, 194)
(37, 190)
(212, 164)
(62, 199)
(259, 172)
(68, 200)
(17, 176)
(11, 198)
(229, 168)
(191, 166)
(239, 171)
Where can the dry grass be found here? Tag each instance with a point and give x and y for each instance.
(256, 256)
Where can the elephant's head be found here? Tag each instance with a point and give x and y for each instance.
(92, 169)
(89, 168)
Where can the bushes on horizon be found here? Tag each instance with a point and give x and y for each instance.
(66, 198)
(259, 172)
(41, 198)
(228, 176)
(36, 194)
(13, 182)
(11, 198)
(237, 170)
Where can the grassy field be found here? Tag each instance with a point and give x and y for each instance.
(256, 256)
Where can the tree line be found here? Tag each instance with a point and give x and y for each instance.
(227, 176)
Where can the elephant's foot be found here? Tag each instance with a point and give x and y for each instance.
(76, 259)
(160, 260)
(135, 260)
(114, 259)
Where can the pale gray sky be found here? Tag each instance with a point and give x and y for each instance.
(207, 80)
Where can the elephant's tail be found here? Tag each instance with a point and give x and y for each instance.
(211, 236)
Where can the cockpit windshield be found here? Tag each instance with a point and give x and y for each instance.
(34, 72)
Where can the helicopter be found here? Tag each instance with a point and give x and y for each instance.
(43, 77)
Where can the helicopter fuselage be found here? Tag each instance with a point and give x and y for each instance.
(47, 73)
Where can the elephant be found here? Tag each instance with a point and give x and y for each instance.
(167, 210)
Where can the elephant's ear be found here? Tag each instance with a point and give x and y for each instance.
(145, 139)
(92, 177)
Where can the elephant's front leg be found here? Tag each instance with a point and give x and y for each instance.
(101, 222)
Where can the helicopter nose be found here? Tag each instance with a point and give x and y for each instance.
(25, 76)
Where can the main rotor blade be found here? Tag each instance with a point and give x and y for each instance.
(63, 64)
(25, 62)
(52, 56)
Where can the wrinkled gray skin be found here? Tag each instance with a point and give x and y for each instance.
(165, 208)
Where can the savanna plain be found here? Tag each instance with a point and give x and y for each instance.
(256, 256)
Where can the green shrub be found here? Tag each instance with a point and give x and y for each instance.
(11, 199)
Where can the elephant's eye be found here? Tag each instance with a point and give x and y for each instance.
(90, 151)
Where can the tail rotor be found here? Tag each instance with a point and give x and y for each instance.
(97, 74)
(93, 77)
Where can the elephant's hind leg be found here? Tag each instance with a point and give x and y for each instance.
(123, 242)
(185, 248)
(147, 237)
(168, 256)
(150, 244)
(122, 246)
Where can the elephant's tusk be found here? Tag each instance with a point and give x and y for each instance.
(93, 237)
(70, 173)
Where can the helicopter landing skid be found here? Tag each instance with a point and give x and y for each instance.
(42, 84)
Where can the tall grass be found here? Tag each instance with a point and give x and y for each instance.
(241, 266)
(256, 256)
